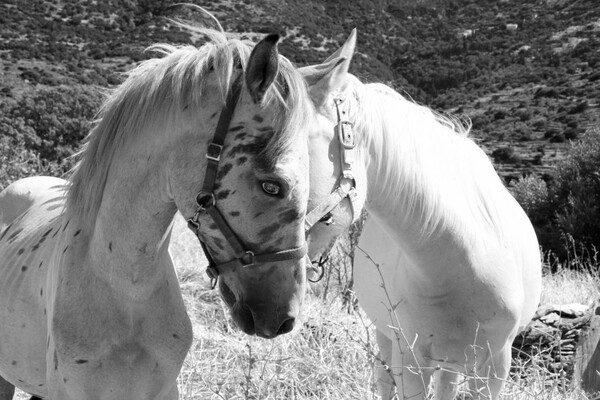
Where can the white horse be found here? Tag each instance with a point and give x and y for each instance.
(448, 266)
(90, 306)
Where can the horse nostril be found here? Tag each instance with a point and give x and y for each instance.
(287, 326)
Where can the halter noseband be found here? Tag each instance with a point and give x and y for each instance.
(346, 186)
(207, 204)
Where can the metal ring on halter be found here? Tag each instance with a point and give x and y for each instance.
(320, 267)
(205, 200)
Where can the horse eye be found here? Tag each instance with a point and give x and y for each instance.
(271, 188)
(327, 219)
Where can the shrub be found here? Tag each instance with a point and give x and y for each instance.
(576, 191)
(47, 126)
(505, 155)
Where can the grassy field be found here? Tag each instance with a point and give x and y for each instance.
(328, 356)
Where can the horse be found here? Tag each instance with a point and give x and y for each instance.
(91, 306)
(448, 267)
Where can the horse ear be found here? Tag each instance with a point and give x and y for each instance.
(262, 67)
(330, 76)
(347, 49)
(314, 73)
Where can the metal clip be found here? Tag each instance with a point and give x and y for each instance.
(213, 274)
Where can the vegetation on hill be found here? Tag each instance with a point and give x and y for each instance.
(525, 72)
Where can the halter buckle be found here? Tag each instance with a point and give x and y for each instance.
(213, 152)
(346, 135)
(247, 259)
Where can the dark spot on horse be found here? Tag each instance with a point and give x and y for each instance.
(290, 216)
(224, 170)
(65, 250)
(241, 160)
(252, 148)
(176, 336)
(258, 214)
(41, 263)
(14, 362)
(5, 231)
(14, 235)
(77, 233)
(41, 292)
(80, 361)
(240, 136)
(109, 246)
(35, 247)
(44, 311)
(65, 380)
(143, 249)
(56, 233)
(223, 194)
(24, 268)
(213, 226)
(67, 224)
(21, 380)
(234, 213)
(268, 130)
(40, 385)
(269, 230)
(186, 107)
(219, 244)
(55, 361)
(258, 118)
(47, 232)
(21, 251)
(236, 128)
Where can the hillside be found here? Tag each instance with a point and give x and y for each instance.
(525, 72)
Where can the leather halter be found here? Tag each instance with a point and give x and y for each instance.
(207, 205)
(346, 187)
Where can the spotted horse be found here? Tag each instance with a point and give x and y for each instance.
(448, 266)
(90, 306)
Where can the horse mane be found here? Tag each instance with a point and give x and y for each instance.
(432, 166)
(156, 92)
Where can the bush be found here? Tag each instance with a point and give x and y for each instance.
(578, 190)
(505, 155)
(47, 127)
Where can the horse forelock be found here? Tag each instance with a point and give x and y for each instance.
(423, 158)
(157, 91)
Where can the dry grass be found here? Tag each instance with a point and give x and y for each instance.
(328, 356)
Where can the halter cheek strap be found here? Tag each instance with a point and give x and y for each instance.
(207, 205)
(346, 187)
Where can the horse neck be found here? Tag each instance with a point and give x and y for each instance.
(128, 243)
(421, 184)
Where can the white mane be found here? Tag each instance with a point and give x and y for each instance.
(426, 163)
